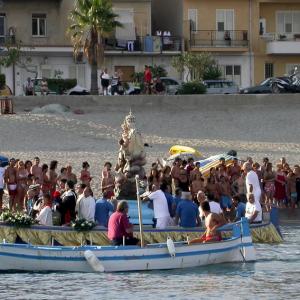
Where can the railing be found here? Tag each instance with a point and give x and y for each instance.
(273, 36)
(145, 44)
(214, 38)
(7, 39)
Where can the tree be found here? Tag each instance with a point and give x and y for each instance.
(196, 64)
(92, 21)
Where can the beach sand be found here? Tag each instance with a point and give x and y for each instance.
(257, 129)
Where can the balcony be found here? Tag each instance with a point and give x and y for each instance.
(213, 40)
(282, 43)
(144, 44)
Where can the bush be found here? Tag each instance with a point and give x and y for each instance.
(192, 88)
(213, 72)
(59, 85)
(2, 81)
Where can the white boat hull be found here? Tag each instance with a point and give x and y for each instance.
(116, 259)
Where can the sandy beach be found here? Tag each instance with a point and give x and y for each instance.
(263, 126)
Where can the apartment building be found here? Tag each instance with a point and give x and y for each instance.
(276, 37)
(47, 50)
(251, 39)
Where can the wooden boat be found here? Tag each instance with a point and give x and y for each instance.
(169, 255)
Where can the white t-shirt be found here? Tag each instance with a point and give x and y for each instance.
(45, 216)
(214, 208)
(86, 208)
(160, 204)
(252, 178)
(250, 210)
(2, 170)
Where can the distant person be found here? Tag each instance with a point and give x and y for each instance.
(105, 81)
(240, 208)
(252, 181)
(86, 205)
(68, 204)
(253, 210)
(44, 217)
(115, 82)
(147, 80)
(44, 87)
(119, 228)
(159, 87)
(2, 171)
(102, 210)
(187, 212)
(28, 87)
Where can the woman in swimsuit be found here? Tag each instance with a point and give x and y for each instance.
(269, 185)
(46, 184)
(22, 176)
(85, 175)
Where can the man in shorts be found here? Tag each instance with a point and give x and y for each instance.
(10, 178)
(2, 171)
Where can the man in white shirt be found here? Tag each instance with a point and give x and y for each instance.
(45, 215)
(253, 210)
(87, 205)
(2, 171)
(252, 182)
(214, 206)
(160, 207)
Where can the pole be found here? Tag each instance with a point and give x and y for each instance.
(139, 209)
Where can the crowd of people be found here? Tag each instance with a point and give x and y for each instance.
(178, 194)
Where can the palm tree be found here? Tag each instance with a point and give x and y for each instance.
(92, 21)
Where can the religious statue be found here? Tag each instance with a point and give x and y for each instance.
(131, 158)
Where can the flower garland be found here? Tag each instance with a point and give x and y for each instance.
(17, 219)
(83, 225)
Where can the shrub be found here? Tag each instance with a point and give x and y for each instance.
(191, 88)
(213, 72)
(2, 81)
(60, 85)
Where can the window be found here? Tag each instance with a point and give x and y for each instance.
(224, 23)
(193, 18)
(232, 73)
(269, 70)
(39, 25)
(288, 22)
(2, 28)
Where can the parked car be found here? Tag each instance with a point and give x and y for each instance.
(172, 85)
(265, 87)
(78, 90)
(221, 87)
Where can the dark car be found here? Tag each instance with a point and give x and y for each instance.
(265, 87)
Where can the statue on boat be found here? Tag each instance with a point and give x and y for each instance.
(131, 159)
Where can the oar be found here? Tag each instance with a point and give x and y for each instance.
(139, 209)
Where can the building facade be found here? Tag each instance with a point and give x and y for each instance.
(41, 26)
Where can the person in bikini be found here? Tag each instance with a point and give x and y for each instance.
(22, 177)
(85, 175)
(108, 184)
(212, 223)
(10, 178)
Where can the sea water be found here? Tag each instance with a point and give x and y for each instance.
(275, 275)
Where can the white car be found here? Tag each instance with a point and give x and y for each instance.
(172, 85)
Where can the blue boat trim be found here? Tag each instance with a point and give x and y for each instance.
(132, 257)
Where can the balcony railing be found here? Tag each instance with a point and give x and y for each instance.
(214, 38)
(273, 36)
(7, 39)
(158, 44)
